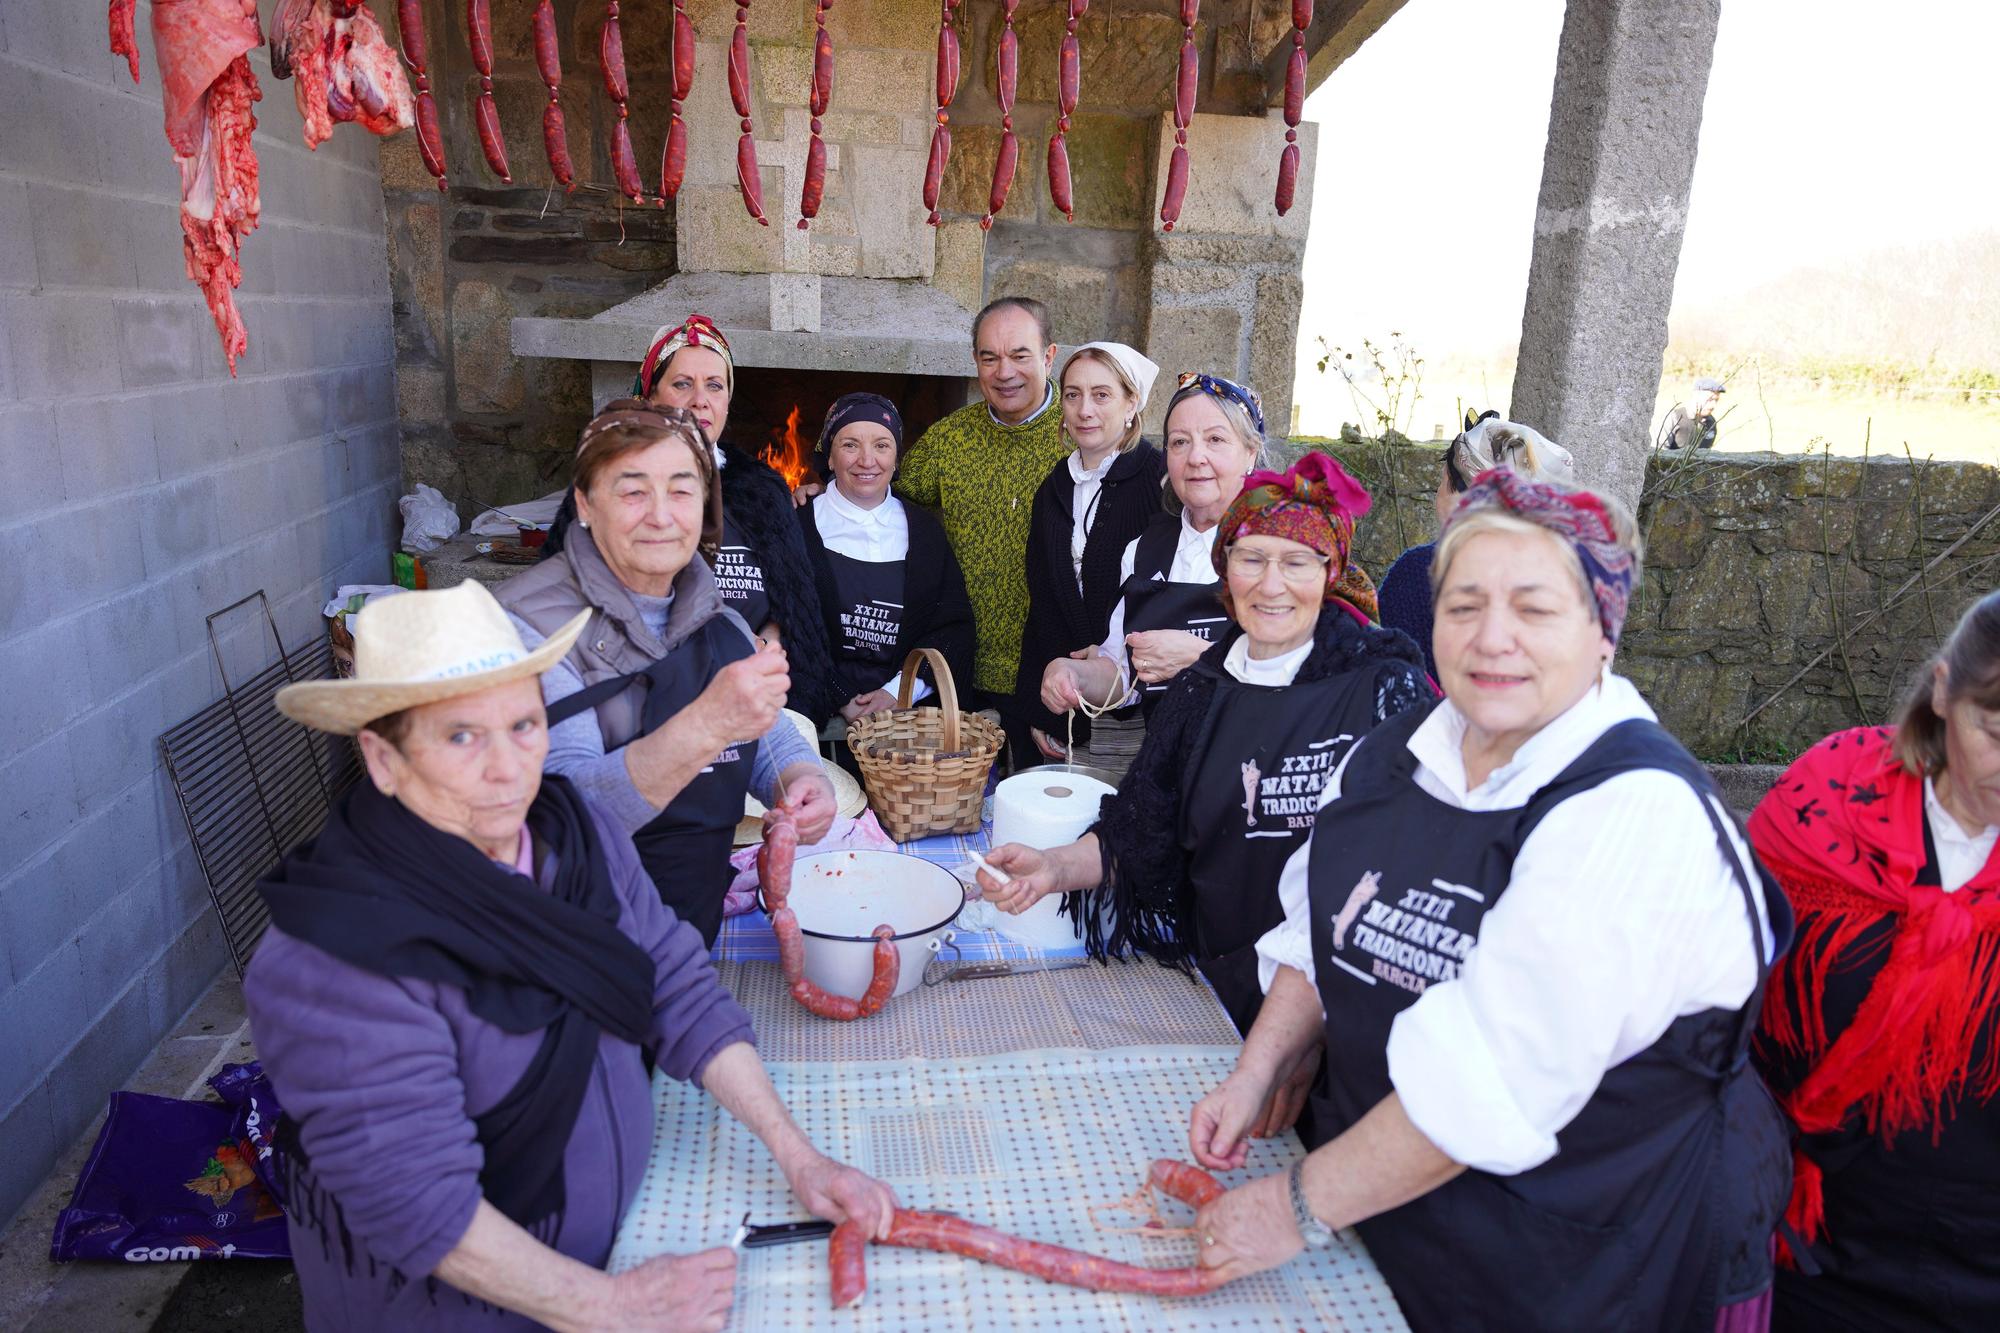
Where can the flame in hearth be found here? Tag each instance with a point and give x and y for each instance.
(788, 452)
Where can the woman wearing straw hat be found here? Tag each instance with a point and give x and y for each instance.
(467, 976)
(1224, 789)
(887, 577)
(1092, 505)
(759, 563)
(665, 712)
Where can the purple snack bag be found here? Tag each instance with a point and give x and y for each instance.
(257, 1117)
(170, 1180)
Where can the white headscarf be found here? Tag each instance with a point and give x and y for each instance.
(1141, 371)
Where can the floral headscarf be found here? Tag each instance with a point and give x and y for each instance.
(1314, 503)
(1579, 518)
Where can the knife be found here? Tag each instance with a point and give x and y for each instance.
(981, 971)
(750, 1237)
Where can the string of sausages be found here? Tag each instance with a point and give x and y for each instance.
(1295, 102)
(479, 29)
(847, 1252)
(1069, 77)
(547, 58)
(1007, 68)
(611, 51)
(947, 88)
(774, 878)
(822, 97)
(674, 152)
(1184, 88)
(747, 179)
(430, 138)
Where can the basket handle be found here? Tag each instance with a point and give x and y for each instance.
(947, 692)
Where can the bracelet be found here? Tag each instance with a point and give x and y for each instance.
(1316, 1234)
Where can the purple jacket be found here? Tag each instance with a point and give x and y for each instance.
(384, 1076)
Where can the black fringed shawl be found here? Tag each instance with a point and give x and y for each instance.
(1145, 864)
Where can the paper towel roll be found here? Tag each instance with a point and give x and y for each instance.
(1044, 810)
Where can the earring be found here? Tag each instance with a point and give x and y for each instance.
(583, 523)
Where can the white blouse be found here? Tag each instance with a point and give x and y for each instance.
(1086, 485)
(1961, 855)
(1279, 671)
(1621, 917)
(878, 536)
(1193, 562)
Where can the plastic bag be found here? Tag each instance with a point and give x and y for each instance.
(175, 1180)
(429, 520)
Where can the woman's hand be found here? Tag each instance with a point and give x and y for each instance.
(1161, 654)
(674, 1293)
(744, 698)
(1249, 1229)
(838, 1192)
(1047, 744)
(1031, 876)
(804, 494)
(1288, 1095)
(863, 705)
(1220, 1124)
(1062, 687)
(809, 796)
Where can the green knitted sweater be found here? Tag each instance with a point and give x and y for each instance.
(981, 478)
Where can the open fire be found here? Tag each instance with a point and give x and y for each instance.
(788, 451)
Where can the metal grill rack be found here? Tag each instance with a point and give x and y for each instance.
(252, 784)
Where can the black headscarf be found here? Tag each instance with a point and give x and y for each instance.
(386, 892)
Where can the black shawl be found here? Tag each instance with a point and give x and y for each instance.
(384, 891)
(936, 611)
(1145, 866)
(760, 504)
(1062, 619)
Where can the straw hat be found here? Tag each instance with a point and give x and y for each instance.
(421, 647)
(848, 798)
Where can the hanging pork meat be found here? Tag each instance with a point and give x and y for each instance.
(1006, 61)
(1184, 90)
(947, 88)
(430, 137)
(747, 179)
(341, 66)
(611, 55)
(674, 152)
(1068, 85)
(822, 97)
(209, 91)
(1295, 105)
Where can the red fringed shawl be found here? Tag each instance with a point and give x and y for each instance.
(1843, 832)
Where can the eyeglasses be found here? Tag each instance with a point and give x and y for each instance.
(1298, 567)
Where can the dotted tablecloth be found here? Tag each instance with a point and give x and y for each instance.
(1017, 1102)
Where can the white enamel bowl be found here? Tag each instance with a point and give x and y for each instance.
(840, 897)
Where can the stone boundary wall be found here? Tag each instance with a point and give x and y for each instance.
(1755, 565)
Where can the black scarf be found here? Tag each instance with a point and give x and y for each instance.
(386, 892)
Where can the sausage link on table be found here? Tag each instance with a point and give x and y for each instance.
(775, 860)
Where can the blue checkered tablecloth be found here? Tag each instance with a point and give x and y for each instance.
(748, 938)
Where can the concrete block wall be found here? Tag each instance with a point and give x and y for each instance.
(141, 488)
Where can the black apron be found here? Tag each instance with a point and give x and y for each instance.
(685, 848)
(1659, 1205)
(1152, 601)
(1912, 1238)
(1258, 765)
(739, 576)
(871, 622)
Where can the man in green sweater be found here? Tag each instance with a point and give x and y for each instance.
(979, 469)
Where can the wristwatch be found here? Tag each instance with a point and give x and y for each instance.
(1318, 1235)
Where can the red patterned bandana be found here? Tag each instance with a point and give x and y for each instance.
(696, 330)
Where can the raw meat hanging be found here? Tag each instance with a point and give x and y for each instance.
(611, 51)
(430, 138)
(1068, 80)
(1295, 103)
(555, 139)
(847, 1257)
(1006, 69)
(747, 179)
(774, 879)
(674, 153)
(341, 66)
(947, 88)
(479, 29)
(209, 91)
(1184, 86)
(822, 97)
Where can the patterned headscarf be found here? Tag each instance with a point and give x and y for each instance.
(1193, 382)
(1314, 503)
(696, 330)
(1579, 518)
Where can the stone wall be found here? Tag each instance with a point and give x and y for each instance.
(146, 488)
(1756, 565)
(1220, 293)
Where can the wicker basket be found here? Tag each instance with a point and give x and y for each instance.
(925, 768)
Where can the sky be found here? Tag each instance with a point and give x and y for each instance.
(1830, 127)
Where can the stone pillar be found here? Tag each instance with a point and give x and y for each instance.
(1623, 126)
